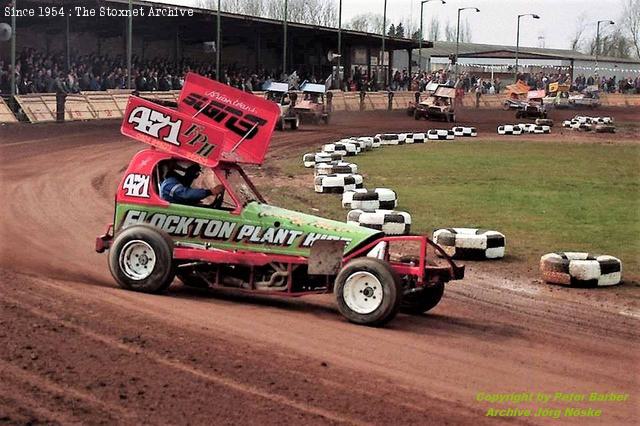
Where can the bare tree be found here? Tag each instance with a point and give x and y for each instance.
(434, 29)
(367, 22)
(316, 12)
(614, 44)
(631, 20)
(576, 41)
(449, 32)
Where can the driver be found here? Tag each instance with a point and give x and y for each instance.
(176, 187)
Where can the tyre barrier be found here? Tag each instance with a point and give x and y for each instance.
(347, 197)
(605, 128)
(389, 139)
(577, 125)
(415, 138)
(440, 135)
(336, 184)
(312, 159)
(376, 199)
(347, 149)
(544, 122)
(366, 143)
(390, 222)
(336, 167)
(509, 129)
(567, 124)
(534, 128)
(470, 243)
(465, 131)
(592, 120)
(580, 269)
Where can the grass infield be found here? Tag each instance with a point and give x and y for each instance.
(544, 196)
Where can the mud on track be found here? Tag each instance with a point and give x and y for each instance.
(74, 348)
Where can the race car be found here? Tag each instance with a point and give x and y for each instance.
(312, 107)
(438, 106)
(279, 94)
(239, 241)
(534, 107)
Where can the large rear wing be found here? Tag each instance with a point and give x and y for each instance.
(213, 122)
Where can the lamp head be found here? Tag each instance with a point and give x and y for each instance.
(535, 16)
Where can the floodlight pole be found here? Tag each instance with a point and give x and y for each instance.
(339, 43)
(384, 32)
(458, 34)
(284, 50)
(129, 44)
(13, 53)
(515, 73)
(597, 71)
(218, 45)
(421, 36)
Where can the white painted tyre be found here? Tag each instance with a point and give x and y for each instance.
(577, 269)
(470, 243)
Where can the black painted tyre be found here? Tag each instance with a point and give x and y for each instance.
(368, 291)
(423, 300)
(141, 259)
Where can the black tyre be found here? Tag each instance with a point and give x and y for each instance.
(368, 291)
(518, 114)
(280, 124)
(325, 118)
(141, 259)
(423, 300)
(416, 115)
(295, 123)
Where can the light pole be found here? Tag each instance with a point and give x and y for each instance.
(534, 16)
(421, 36)
(340, 43)
(458, 34)
(284, 50)
(218, 46)
(384, 31)
(609, 22)
(129, 43)
(13, 53)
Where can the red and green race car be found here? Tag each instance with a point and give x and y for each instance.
(240, 241)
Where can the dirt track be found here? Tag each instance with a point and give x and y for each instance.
(74, 348)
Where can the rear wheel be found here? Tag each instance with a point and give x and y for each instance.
(295, 123)
(416, 115)
(141, 259)
(423, 300)
(368, 291)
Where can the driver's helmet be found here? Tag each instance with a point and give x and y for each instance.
(187, 169)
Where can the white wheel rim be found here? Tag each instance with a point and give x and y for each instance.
(362, 292)
(137, 260)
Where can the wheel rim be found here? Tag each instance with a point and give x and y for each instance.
(362, 292)
(137, 260)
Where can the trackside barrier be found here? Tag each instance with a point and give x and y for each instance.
(110, 104)
(6, 116)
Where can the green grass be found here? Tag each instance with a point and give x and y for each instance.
(543, 196)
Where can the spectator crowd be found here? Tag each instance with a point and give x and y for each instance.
(37, 72)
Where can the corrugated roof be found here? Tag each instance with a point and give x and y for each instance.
(445, 48)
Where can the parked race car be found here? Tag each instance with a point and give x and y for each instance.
(557, 96)
(438, 106)
(534, 108)
(279, 94)
(312, 107)
(589, 98)
(239, 241)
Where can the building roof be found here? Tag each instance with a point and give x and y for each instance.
(475, 50)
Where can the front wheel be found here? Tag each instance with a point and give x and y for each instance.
(295, 123)
(368, 291)
(141, 259)
(423, 300)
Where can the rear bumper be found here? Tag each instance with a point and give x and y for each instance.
(103, 242)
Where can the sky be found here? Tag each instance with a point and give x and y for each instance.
(496, 21)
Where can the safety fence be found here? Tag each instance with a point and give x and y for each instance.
(38, 108)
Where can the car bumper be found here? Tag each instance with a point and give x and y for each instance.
(103, 242)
